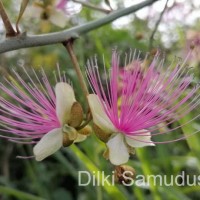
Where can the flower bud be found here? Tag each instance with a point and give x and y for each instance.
(87, 130)
(139, 36)
(76, 115)
(106, 154)
(102, 135)
(69, 135)
(124, 174)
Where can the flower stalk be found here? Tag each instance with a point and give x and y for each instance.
(69, 46)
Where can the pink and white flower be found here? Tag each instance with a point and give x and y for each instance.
(126, 115)
(36, 112)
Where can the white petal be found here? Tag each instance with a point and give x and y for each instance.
(118, 151)
(99, 116)
(49, 144)
(64, 101)
(58, 18)
(133, 141)
(33, 11)
(80, 138)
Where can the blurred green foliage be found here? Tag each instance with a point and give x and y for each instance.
(56, 178)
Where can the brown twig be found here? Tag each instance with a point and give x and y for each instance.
(151, 39)
(10, 32)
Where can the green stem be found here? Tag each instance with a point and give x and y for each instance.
(142, 154)
(25, 41)
(18, 194)
(99, 193)
(110, 188)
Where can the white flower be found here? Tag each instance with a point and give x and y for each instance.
(54, 12)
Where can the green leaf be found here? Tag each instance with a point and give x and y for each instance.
(194, 140)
